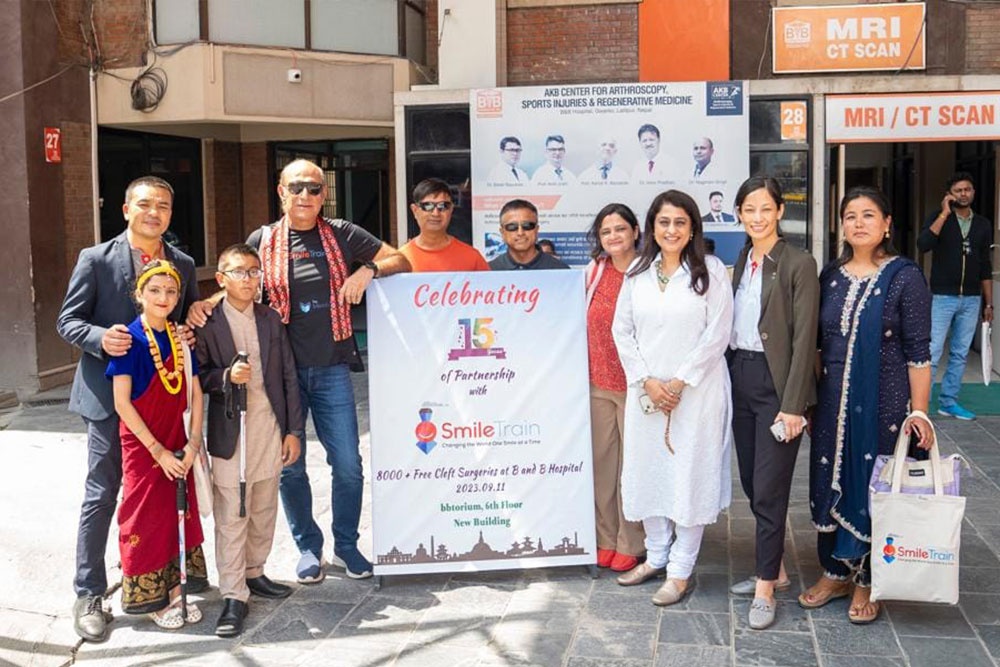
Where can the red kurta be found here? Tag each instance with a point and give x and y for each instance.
(605, 367)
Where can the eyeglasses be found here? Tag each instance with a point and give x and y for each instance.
(429, 206)
(512, 150)
(297, 187)
(525, 226)
(241, 274)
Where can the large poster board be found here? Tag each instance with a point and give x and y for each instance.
(573, 149)
(481, 445)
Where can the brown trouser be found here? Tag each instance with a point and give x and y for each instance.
(243, 544)
(607, 424)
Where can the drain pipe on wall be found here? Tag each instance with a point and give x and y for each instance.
(95, 191)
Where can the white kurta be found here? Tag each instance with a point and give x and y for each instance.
(677, 334)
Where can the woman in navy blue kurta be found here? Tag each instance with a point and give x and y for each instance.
(874, 329)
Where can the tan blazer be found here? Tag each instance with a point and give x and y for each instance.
(789, 316)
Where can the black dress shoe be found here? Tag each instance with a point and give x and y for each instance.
(266, 588)
(197, 585)
(89, 619)
(230, 624)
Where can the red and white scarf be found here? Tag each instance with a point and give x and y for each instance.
(274, 258)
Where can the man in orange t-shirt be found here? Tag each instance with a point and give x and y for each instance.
(433, 249)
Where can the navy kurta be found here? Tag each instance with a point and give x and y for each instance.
(904, 341)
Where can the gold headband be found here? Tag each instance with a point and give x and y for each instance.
(161, 268)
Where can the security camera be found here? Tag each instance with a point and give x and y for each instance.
(294, 75)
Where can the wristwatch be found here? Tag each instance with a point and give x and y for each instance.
(374, 267)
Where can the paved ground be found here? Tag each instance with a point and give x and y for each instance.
(540, 617)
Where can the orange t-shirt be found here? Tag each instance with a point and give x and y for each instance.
(456, 256)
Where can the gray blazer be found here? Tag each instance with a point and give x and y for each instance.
(215, 349)
(789, 317)
(99, 296)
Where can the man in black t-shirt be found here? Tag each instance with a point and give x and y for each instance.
(307, 262)
(519, 229)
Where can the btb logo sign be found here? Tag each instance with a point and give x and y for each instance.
(489, 103)
(425, 431)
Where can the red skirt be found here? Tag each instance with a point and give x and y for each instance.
(147, 519)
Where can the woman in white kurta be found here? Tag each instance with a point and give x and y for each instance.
(671, 327)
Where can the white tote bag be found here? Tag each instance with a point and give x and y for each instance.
(986, 346)
(916, 537)
(202, 468)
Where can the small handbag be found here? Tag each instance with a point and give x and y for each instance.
(916, 531)
(202, 468)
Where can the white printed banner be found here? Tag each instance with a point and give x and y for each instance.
(571, 150)
(480, 422)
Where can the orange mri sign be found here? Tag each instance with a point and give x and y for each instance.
(845, 38)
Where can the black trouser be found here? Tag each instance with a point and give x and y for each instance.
(766, 465)
(104, 478)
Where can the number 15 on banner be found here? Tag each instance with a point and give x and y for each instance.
(476, 339)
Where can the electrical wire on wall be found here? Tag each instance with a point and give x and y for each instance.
(148, 88)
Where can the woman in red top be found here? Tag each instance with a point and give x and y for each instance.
(613, 237)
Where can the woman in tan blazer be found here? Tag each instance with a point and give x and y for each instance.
(771, 358)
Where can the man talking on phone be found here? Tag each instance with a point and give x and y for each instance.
(961, 277)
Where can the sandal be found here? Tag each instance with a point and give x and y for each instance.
(193, 613)
(854, 611)
(821, 598)
(169, 619)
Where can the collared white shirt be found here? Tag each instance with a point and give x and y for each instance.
(504, 174)
(650, 170)
(746, 309)
(547, 175)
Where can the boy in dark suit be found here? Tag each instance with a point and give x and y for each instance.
(273, 420)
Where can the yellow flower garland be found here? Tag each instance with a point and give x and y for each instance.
(167, 378)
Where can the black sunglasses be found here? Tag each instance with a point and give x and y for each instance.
(297, 187)
(429, 206)
(525, 226)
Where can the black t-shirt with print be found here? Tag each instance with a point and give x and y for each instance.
(310, 328)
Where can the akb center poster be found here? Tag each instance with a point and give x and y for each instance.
(572, 149)
(480, 422)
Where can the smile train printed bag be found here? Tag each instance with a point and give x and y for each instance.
(915, 536)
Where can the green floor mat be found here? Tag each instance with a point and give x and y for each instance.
(977, 397)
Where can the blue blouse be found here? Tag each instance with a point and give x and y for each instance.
(138, 362)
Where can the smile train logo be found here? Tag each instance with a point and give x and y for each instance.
(889, 551)
(425, 431)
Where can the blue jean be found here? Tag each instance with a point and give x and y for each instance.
(960, 315)
(100, 496)
(328, 393)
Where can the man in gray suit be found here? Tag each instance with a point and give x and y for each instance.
(94, 315)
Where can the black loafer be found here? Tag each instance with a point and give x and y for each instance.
(197, 585)
(89, 619)
(230, 622)
(266, 588)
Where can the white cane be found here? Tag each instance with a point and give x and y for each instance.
(241, 405)
(181, 538)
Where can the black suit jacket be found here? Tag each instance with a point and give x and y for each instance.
(215, 349)
(100, 295)
(789, 316)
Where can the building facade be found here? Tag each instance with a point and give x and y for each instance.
(217, 95)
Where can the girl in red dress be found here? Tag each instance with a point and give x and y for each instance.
(150, 398)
